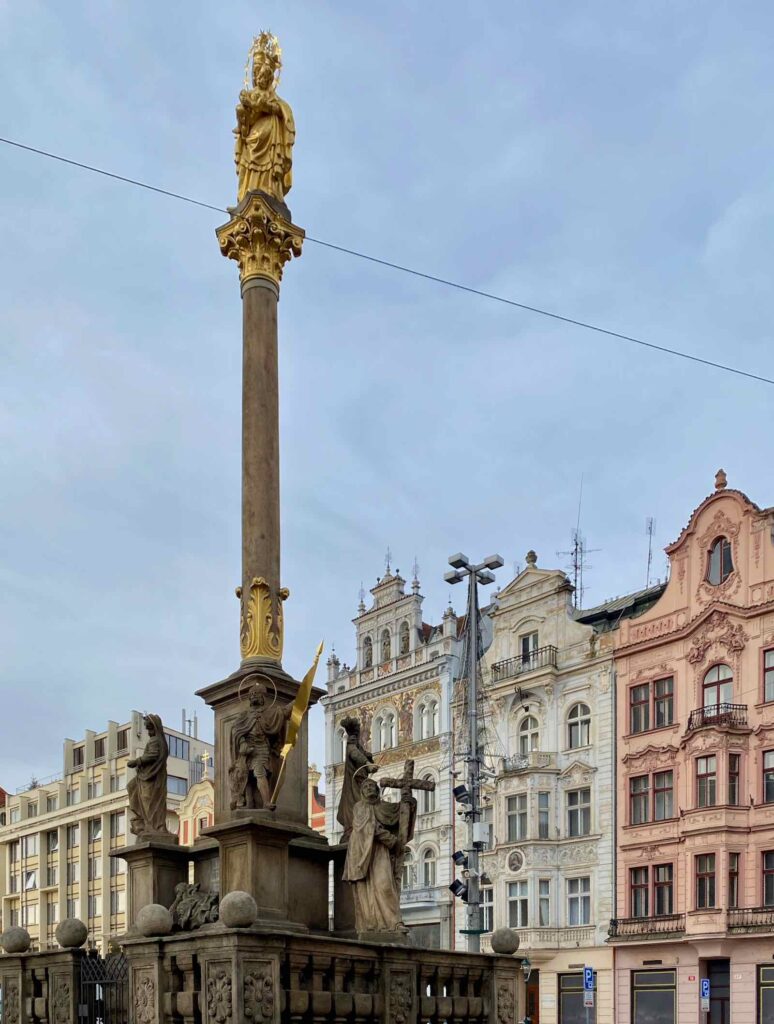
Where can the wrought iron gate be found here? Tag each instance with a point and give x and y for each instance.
(104, 989)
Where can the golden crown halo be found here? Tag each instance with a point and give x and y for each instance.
(265, 47)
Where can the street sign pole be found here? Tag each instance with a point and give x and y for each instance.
(704, 992)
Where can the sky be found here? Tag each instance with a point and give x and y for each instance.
(608, 162)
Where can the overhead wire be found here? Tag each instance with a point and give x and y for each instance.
(469, 289)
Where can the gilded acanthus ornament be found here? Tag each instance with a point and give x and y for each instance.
(265, 130)
(259, 239)
(261, 634)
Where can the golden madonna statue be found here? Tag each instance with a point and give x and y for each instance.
(265, 130)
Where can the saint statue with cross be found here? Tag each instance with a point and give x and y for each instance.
(381, 831)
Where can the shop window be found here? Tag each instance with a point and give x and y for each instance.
(654, 997)
(571, 1008)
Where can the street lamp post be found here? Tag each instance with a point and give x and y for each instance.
(475, 574)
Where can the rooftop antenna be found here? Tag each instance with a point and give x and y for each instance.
(577, 555)
(650, 526)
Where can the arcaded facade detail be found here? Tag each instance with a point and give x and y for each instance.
(695, 869)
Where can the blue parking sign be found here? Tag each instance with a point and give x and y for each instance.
(588, 979)
(705, 988)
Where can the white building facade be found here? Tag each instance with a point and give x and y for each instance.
(549, 871)
(400, 690)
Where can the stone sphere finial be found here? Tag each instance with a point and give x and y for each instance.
(505, 941)
(15, 940)
(71, 933)
(721, 481)
(238, 909)
(531, 558)
(154, 919)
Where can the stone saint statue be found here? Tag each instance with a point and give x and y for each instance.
(380, 832)
(358, 764)
(265, 129)
(148, 789)
(256, 743)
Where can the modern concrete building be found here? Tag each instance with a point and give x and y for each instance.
(55, 844)
(695, 705)
(400, 689)
(550, 724)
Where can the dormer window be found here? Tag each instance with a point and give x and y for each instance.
(719, 562)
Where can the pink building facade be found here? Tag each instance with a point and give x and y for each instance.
(695, 778)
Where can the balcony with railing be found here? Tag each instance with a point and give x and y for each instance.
(729, 716)
(542, 657)
(663, 926)
(751, 919)
(535, 760)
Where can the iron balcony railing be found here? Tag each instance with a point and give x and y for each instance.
(542, 657)
(644, 927)
(733, 715)
(753, 919)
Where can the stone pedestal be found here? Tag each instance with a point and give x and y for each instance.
(154, 868)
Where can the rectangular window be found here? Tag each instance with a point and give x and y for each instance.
(578, 901)
(768, 776)
(95, 905)
(638, 799)
(638, 892)
(32, 809)
(52, 875)
(117, 867)
(176, 784)
(29, 846)
(15, 815)
(734, 765)
(117, 824)
(663, 801)
(117, 782)
(705, 881)
(765, 995)
(14, 915)
(529, 644)
(52, 803)
(579, 812)
(77, 757)
(95, 829)
(654, 997)
(118, 901)
(639, 708)
(14, 852)
(52, 841)
(733, 879)
(518, 905)
(706, 781)
(73, 836)
(663, 702)
(178, 747)
(99, 749)
(30, 880)
(517, 817)
(94, 789)
(544, 815)
(663, 876)
(72, 872)
(768, 879)
(95, 868)
(571, 1008)
(768, 675)
(52, 910)
(13, 883)
(73, 907)
(73, 796)
(122, 741)
(29, 914)
(544, 902)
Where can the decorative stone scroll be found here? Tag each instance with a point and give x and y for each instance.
(261, 634)
(259, 239)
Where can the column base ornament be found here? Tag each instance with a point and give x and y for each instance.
(261, 633)
(260, 237)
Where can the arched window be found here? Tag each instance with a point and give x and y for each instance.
(404, 639)
(718, 687)
(428, 868)
(368, 652)
(529, 735)
(428, 795)
(719, 562)
(408, 874)
(384, 731)
(428, 719)
(386, 645)
(579, 726)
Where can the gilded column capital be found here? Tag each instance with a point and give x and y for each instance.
(262, 628)
(260, 238)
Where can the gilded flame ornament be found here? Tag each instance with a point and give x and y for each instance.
(261, 633)
(265, 130)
